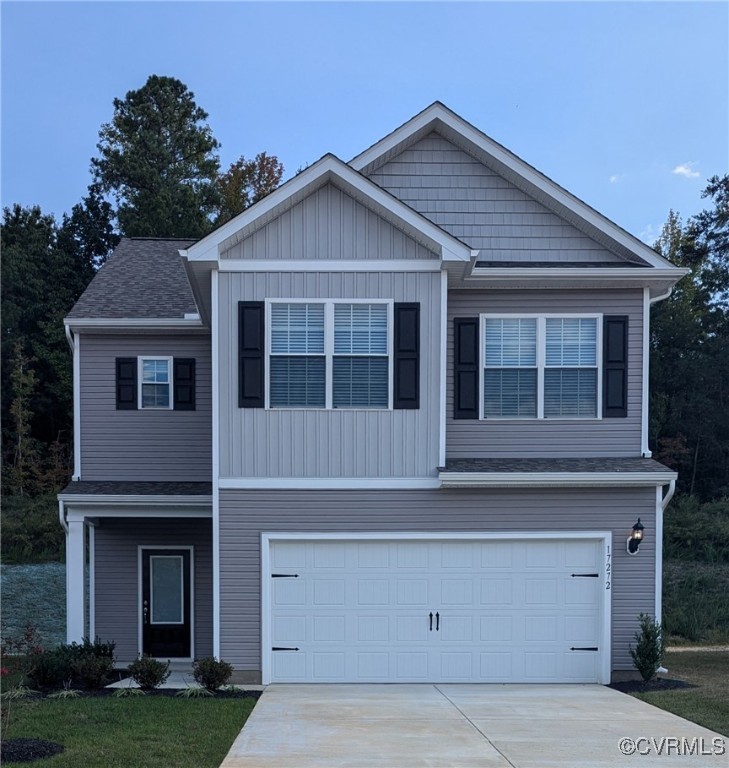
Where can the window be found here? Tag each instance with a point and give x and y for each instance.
(298, 363)
(329, 355)
(540, 367)
(154, 382)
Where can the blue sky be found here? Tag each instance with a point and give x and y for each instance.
(624, 104)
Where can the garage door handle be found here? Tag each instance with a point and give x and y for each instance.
(592, 648)
(430, 616)
(437, 621)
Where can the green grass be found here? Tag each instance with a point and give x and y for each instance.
(146, 732)
(706, 705)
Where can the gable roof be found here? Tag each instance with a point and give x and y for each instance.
(437, 117)
(330, 169)
(143, 279)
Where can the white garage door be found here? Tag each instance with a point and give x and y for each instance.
(435, 610)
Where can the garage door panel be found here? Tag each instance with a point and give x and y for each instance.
(360, 611)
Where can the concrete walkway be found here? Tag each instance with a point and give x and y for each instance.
(461, 726)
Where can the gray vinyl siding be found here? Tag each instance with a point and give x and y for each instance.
(484, 210)
(244, 515)
(527, 438)
(142, 444)
(328, 224)
(116, 575)
(255, 442)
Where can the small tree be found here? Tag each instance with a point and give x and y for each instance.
(648, 652)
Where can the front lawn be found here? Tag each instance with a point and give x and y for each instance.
(147, 732)
(707, 704)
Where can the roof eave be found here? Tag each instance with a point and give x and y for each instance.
(451, 479)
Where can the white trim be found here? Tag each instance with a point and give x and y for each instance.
(133, 499)
(658, 607)
(75, 343)
(443, 373)
(438, 113)
(161, 323)
(540, 274)
(541, 364)
(330, 168)
(215, 351)
(77, 511)
(328, 353)
(312, 483)
(330, 265)
(644, 395)
(140, 382)
(92, 580)
(553, 479)
(140, 549)
(75, 580)
(266, 598)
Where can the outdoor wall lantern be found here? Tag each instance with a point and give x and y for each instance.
(636, 536)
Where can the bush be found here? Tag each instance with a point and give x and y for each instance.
(696, 531)
(88, 663)
(92, 671)
(211, 673)
(148, 673)
(648, 653)
(31, 531)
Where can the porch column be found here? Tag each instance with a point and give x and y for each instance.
(75, 580)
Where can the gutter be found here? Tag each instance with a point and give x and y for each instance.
(554, 479)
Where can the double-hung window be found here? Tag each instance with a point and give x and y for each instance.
(155, 380)
(333, 354)
(540, 367)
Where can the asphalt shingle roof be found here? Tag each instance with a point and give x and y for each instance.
(144, 278)
(617, 465)
(136, 488)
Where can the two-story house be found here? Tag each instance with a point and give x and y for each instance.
(388, 424)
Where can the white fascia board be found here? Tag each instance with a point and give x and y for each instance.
(161, 323)
(134, 499)
(326, 483)
(331, 265)
(639, 274)
(327, 169)
(81, 512)
(553, 479)
(439, 113)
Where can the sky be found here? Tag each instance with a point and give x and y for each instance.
(625, 104)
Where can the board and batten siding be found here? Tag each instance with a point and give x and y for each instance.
(256, 442)
(244, 515)
(146, 444)
(481, 208)
(328, 224)
(116, 577)
(566, 438)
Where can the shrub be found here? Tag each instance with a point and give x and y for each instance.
(148, 673)
(92, 671)
(89, 663)
(211, 673)
(648, 653)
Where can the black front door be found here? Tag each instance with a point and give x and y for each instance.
(166, 593)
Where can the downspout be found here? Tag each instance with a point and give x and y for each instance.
(661, 504)
(73, 342)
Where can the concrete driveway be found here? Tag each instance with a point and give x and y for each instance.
(465, 726)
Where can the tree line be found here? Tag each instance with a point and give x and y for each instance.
(157, 174)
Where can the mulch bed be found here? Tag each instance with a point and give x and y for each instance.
(28, 750)
(659, 684)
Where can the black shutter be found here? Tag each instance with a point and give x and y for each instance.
(465, 368)
(406, 347)
(183, 378)
(615, 366)
(126, 383)
(251, 354)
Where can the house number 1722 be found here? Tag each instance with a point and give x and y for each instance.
(608, 567)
